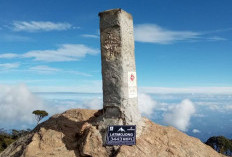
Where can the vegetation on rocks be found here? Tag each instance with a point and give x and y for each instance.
(6, 138)
(221, 144)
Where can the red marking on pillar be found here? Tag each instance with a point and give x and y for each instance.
(132, 77)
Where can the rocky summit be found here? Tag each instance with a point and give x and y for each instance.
(74, 133)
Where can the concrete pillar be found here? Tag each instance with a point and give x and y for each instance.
(120, 102)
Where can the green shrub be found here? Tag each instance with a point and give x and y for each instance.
(220, 144)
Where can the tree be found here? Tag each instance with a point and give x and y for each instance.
(39, 114)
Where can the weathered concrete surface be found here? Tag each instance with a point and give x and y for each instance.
(118, 68)
(74, 133)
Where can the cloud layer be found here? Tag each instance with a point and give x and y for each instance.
(43, 69)
(195, 90)
(8, 55)
(35, 26)
(17, 104)
(6, 66)
(95, 103)
(180, 114)
(66, 52)
(146, 104)
(195, 131)
(152, 33)
(155, 34)
(90, 36)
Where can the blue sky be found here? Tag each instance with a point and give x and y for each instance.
(54, 46)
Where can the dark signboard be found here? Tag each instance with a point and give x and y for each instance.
(121, 135)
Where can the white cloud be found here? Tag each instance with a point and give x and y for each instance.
(7, 66)
(214, 104)
(146, 104)
(44, 69)
(95, 103)
(179, 115)
(57, 106)
(8, 55)
(88, 86)
(155, 34)
(15, 38)
(78, 73)
(34, 26)
(190, 90)
(90, 36)
(75, 27)
(196, 131)
(216, 38)
(17, 104)
(228, 107)
(199, 115)
(155, 90)
(66, 52)
(215, 107)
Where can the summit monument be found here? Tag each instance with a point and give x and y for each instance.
(120, 102)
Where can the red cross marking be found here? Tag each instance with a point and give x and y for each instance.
(132, 77)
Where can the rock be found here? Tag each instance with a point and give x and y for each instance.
(90, 142)
(75, 133)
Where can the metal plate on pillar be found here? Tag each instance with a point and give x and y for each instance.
(121, 135)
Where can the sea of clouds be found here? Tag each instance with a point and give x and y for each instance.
(178, 110)
(17, 104)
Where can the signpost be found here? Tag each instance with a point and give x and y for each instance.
(121, 135)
